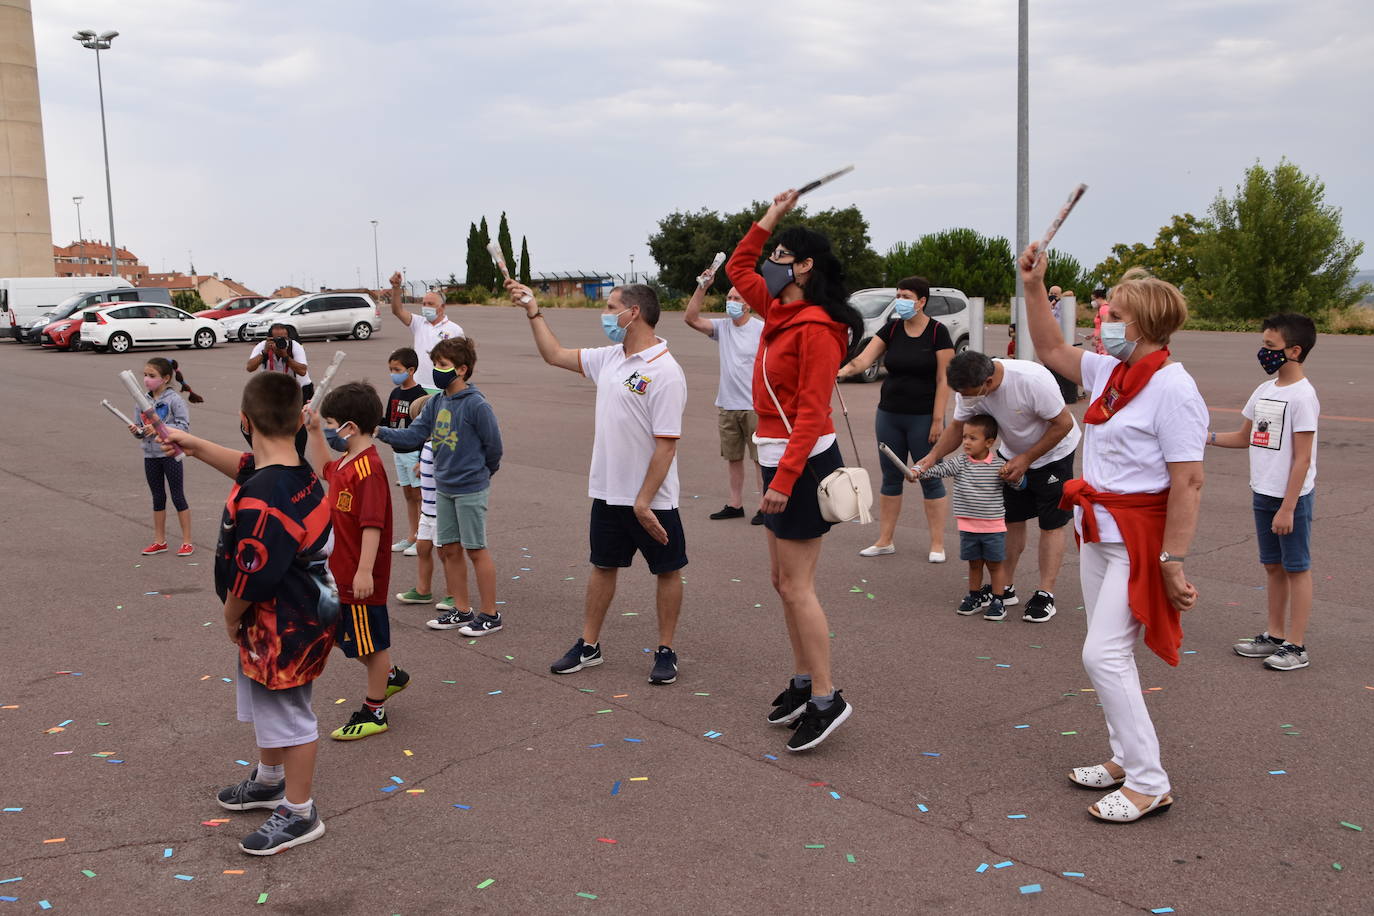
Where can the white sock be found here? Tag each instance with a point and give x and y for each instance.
(303, 809)
(270, 776)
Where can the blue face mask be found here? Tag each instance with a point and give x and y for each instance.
(904, 308)
(734, 309)
(428, 313)
(1114, 339)
(444, 377)
(399, 378)
(611, 325)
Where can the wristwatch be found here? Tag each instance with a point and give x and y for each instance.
(1167, 557)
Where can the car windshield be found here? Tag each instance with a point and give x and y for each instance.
(67, 307)
(263, 306)
(871, 303)
(286, 304)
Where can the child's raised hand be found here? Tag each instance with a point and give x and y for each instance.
(310, 419)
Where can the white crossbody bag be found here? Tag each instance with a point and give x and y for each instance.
(845, 495)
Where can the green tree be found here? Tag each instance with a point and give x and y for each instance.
(1276, 246)
(1173, 257)
(966, 260)
(487, 272)
(188, 300)
(477, 256)
(507, 251)
(524, 261)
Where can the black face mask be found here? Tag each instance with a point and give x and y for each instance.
(247, 433)
(777, 276)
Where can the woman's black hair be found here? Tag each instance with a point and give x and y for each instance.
(825, 284)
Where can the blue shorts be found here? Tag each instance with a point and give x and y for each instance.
(988, 546)
(907, 434)
(363, 629)
(1292, 549)
(616, 534)
(407, 468)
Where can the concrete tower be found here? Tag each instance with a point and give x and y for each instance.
(25, 222)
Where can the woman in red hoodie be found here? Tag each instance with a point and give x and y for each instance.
(1136, 512)
(807, 332)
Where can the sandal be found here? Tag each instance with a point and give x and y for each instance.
(1098, 777)
(1119, 809)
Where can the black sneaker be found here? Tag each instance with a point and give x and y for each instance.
(757, 519)
(481, 625)
(250, 794)
(789, 705)
(665, 666)
(1008, 595)
(283, 830)
(728, 512)
(452, 620)
(1040, 607)
(995, 609)
(396, 681)
(578, 657)
(815, 726)
(973, 603)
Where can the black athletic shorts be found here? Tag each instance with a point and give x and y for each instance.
(363, 629)
(802, 519)
(616, 534)
(1039, 498)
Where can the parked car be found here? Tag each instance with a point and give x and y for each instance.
(23, 300)
(947, 306)
(234, 305)
(76, 304)
(237, 325)
(117, 328)
(322, 315)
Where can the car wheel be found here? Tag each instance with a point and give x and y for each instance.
(962, 345)
(204, 339)
(243, 335)
(120, 342)
(362, 331)
(871, 373)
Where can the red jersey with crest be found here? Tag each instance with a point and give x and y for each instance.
(359, 497)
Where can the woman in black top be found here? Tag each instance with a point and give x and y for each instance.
(911, 409)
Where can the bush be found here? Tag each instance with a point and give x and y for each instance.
(468, 295)
(188, 301)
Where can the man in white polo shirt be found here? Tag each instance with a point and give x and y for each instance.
(427, 328)
(1038, 439)
(640, 396)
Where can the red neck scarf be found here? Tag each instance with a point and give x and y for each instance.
(1124, 383)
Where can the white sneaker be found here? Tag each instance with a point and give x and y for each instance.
(876, 551)
(411, 551)
(937, 556)
(401, 545)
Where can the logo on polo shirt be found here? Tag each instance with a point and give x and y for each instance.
(344, 502)
(637, 383)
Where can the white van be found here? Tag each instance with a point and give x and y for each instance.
(23, 300)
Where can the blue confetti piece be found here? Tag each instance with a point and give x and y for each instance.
(1278, 772)
(398, 780)
(596, 745)
(930, 753)
(11, 880)
(9, 899)
(1072, 874)
(769, 757)
(167, 853)
(1016, 817)
(835, 795)
(112, 760)
(1006, 864)
(922, 808)
(463, 807)
(387, 789)
(981, 868)
(226, 680)
(1020, 726)
(492, 693)
(66, 723)
(1030, 888)
(500, 602)
(12, 810)
(45, 905)
(615, 787)
(1001, 666)
(1190, 651)
(635, 740)
(1163, 909)
(182, 877)
(242, 763)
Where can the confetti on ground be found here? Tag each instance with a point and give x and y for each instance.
(398, 780)
(646, 779)
(1030, 888)
(596, 745)
(242, 763)
(487, 883)
(619, 696)
(463, 807)
(1337, 866)
(603, 711)
(922, 808)
(1001, 666)
(88, 873)
(1355, 827)
(835, 795)
(981, 868)
(929, 754)
(15, 899)
(387, 789)
(492, 693)
(44, 905)
(634, 740)
(1020, 726)
(815, 846)
(1068, 733)
(408, 753)
(183, 877)
(769, 757)
(707, 694)
(1007, 864)
(262, 898)
(713, 734)
(586, 895)
(450, 682)
(10, 880)
(615, 787)
(1278, 772)
(1163, 909)
(415, 791)
(13, 810)
(1072, 874)
(605, 839)
(232, 871)
(167, 853)
(1016, 817)
(62, 839)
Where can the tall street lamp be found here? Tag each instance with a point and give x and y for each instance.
(77, 199)
(376, 261)
(98, 43)
(632, 268)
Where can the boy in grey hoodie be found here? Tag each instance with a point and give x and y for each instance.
(466, 440)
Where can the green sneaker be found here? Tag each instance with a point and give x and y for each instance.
(397, 681)
(413, 597)
(446, 605)
(363, 724)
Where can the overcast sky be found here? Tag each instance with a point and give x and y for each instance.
(263, 136)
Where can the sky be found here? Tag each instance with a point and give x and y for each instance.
(259, 139)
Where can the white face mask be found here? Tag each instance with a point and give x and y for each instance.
(1114, 339)
(429, 313)
(734, 309)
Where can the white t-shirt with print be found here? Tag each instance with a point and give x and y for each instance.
(1165, 422)
(1275, 413)
(639, 398)
(1023, 406)
(425, 336)
(271, 362)
(739, 344)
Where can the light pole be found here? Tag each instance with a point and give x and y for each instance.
(77, 199)
(1024, 350)
(376, 261)
(98, 43)
(632, 268)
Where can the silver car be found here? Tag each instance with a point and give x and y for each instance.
(321, 315)
(945, 305)
(237, 325)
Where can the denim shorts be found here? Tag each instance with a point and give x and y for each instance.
(1289, 549)
(906, 434)
(989, 546)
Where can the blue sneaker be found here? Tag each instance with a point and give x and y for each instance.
(250, 794)
(482, 625)
(995, 609)
(283, 830)
(578, 657)
(665, 666)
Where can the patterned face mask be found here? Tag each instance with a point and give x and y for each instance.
(1270, 360)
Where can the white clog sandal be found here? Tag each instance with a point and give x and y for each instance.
(1119, 809)
(1098, 777)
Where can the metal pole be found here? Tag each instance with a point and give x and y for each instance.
(105, 142)
(79, 234)
(1023, 341)
(376, 261)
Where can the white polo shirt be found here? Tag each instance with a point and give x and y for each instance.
(425, 336)
(739, 344)
(639, 398)
(271, 362)
(1023, 406)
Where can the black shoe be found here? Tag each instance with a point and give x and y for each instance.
(1040, 607)
(1008, 595)
(728, 512)
(816, 725)
(482, 625)
(396, 681)
(250, 794)
(789, 705)
(283, 830)
(578, 657)
(665, 666)
(757, 519)
(995, 609)
(973, 603)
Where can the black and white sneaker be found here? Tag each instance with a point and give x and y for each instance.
(578, 657)
(1008, 595)
(481, 625)
(995, 610)
(790, 704)
(452, 620)
(973, 603)
(250, 794)
(1040, 607)
(815, 725)
(665, 666)
(283, 830)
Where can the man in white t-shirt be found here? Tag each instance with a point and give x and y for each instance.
(640, 395)
(427, 328)
(279, 353)
(737, 337)
(1038, 439)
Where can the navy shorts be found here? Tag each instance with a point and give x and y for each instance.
(907, 434)
(988, 546)
(363, 629)
(616, 534)
(1039, 498)
(1290, 549)
(802, 519)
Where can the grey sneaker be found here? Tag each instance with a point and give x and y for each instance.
(451, 620)
(250, 794)
(1288, 657)
(283, 830)
(1261, 646)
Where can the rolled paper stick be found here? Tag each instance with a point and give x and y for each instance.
(325, 383)
(890, 455)
(824, 179)
(1044, 245)
(499, 258)
(148, 411)
(116, 411)
(718, 260)
(710, 273)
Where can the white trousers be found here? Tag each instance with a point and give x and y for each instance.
(1109, 659)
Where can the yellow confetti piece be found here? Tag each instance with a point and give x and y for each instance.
(619, 696)
(232, 871)
(408, 753)
(415, 791)
(639, 779)
(340, 700)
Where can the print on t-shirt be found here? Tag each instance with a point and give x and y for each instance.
(1269, 417)
(444, 434)
(637, 383)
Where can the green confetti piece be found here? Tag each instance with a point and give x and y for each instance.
(510, 658)
(1337, 866)
(856, 591)
(587, 689)
(758, 605)
(102, 723)
(869, 596)
(88, 873)
(600, 711)
(450, 682)
(630, 614)
(815, 846)
(701, 694)
(487, 883)
(1068, 733)
(262, 898)
(586, 896)
(988, 658)
(1355, 827)
(849, 857)
(1285, 726)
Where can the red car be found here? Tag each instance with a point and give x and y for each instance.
(62, 335)
(235, 305)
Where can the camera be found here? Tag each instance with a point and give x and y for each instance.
(280, 342)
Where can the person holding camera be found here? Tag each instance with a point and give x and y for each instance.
(279, 353)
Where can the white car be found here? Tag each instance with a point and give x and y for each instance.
(947, 306)
(117, 328)
(322, 315)
(236, 326)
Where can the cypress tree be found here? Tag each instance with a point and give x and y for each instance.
(524, 261)
(487, 272)
(503, 239)
(476, 257)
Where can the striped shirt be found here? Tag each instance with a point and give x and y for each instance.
(977, 485)
(427, 489)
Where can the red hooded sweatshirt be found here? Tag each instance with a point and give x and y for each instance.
(805, 347)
